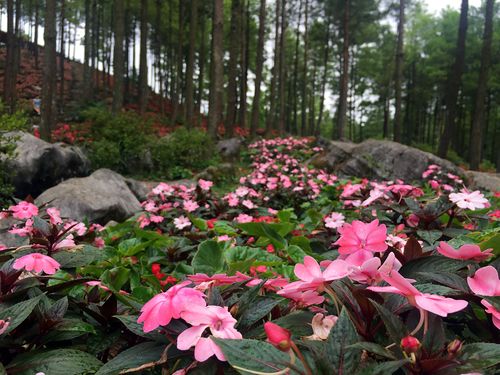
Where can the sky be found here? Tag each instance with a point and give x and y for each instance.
(437, 5)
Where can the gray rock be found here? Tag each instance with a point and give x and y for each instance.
(140, 189)
(380, 160)
(229, 149)
(100, 197)
(483, 180)
(217, 173)
(8, 239)
(39, 165)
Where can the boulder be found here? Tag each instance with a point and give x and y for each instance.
(39, 165)
(380, 160)
(483, 180)
(100, 197)
(8, 239)
(217, 173)
(229, 149)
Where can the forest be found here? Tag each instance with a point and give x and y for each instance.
(207, 187)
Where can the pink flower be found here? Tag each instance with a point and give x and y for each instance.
(65, 243)
(485, 282)
(438, 305)
(278, 336)
(490, 309)
(3, 326)
(243, 218)
(303, 299)
(204, 184)
(190, 205)
(3, 247)
(360, 236)
(469, 201)
(218, 320)
(164, 307)
(248, 204)
(322, 325)
(37, 262)
(24, 210)
(465, 252)
(182, 222)
(334, 220)
(55, 215)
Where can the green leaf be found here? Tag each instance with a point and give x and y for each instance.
(254, 355)
(395, 327)
(209, 258)
(384, 368)
(68, 329)
(78, 256)
(430, 236)
(258, 309)
(245, 253)
(147, 354)
(343, 335)
(479, 356)
(273, 232)
(55, 362)
(198, 223)
(302, 242)
(433, 263)
(115, 278)
(18, 313)
(41, 225)
(374, 348)
(133, 246)
(296, 253)
(130, 321)
(223, 227)
(450, 280)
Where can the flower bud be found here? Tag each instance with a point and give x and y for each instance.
(410, 344)
(278, 336)
(454, 347)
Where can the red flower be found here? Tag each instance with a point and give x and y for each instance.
(278, 336)
(410, 344)
(270, 248)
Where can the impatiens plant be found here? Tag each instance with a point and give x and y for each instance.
(293, 271)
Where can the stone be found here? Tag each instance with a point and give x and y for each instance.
(99, 198)
(483, 180)
(39, 165)
(229, 149)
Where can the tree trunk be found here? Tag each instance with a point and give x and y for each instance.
(303, 109)
(294, 126)
(254, 122)
(454, 82)
(482, 87)
(282, 71)
(201, 64)
(271, 116)
(143, 59)
(398, 79)
(245, 54)
(87, 81)
(9, 77)
(61, 59)
(344, 78)
(217, 67)
(193, 30)
(324, 79)
(177, 97)
(118, 55)
(234, 45)
(37, 22)
(49, 71)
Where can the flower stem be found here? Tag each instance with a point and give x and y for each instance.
(331, 293)
(302, 359)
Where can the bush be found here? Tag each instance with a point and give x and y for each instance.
(182, 150)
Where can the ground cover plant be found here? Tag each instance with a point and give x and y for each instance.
(294, 271)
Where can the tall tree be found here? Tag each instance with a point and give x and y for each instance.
(482, 86)
(282, 71)
(271, 115)
(303, 109)
(118, 55)
(234, 49)
(193, 30)
(295, 73)
(398, 77)
(454, 81)
(10, 70)
(61, 57)
(317, 129)
(49, 70)
(254, 122)
(87, 81)
(37, 22)
(244, 56)
(143, 59)
(177, 96)
(216, 66)
(344, 77)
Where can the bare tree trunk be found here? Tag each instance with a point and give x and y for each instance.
(282, 71)
(143, 59)
(454, 82)
(201, 64)
(217, 64)
(294, 126)
(61, 59)
(87, 81)
(49, 68)
(271, 116)
(245, 53)
(399, 72)
(193, 30)
(477, 123)
(37, 22)
(9, 77)
(303, 109)
(344, 79)
(234, 46)
(177, 97)
(324, 79)
(118, 55)
(254, 122)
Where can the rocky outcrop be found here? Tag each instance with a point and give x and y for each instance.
(379, 160)
(229, 149)
(483, 180)
(99, 198)
(39, 165)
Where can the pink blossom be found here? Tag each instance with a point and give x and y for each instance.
(334, 220)
(322, 325)
(490, 309)
(468, 200)
(485, 282)
(3, 247)
(204, 184)
(190, 205)
(218, 320)
(99, 242)
(79, 228)
(164, 307)
(65, 243)
(24, 210)
(465, 252)
(156, 218)
(24, 230)
(217, 279)
(182, 222)
(37, 262)
(438, 305)
(360, 236)
(303, 299)
(243, 218)
(3, 326)
(371, 270)
(55, 215)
